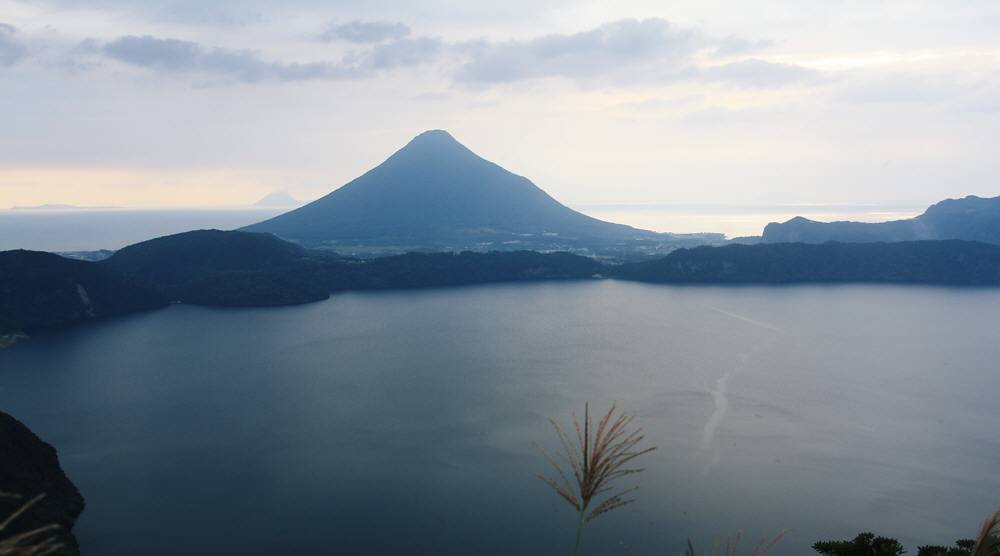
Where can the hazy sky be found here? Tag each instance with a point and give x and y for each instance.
(194, 102)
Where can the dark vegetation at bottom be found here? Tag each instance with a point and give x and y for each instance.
(29, 467)
(867, 544)
(948, 262)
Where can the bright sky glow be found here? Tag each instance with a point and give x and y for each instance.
(200, 103)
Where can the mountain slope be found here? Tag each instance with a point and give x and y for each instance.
(971, 219)
(436, 193)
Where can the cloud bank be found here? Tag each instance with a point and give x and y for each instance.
(365, 32)
(11, 51)
(614, 50)
(176, 56)
(621, 53)
(248, 66)
(624, 52)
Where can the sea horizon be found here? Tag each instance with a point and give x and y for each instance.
(111, 228)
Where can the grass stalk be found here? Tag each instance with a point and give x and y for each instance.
(595, 457)
(36, 542)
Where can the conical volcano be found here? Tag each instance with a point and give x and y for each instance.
(434, 193)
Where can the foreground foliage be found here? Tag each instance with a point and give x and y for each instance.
(595, 459)
(30, 467)
(40, 541)
(865, 544)
(731, 548)
(987, 543)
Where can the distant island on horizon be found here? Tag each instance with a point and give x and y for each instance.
(59, 206)
(278, 199)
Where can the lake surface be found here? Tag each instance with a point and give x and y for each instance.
(406, 422)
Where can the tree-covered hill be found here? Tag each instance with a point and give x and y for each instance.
(210, 267)
(916, 262)
(43, 290)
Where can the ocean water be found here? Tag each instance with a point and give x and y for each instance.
(743, 220)
(409, 422)
(90, 230)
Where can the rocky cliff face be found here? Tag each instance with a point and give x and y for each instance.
(29, 467)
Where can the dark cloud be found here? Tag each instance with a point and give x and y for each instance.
(174, 55)
(365, 32)
(242, 13)
(239, 65)
(626, 52)
(215, 13)
(153, 52)
(616, 48)
(621, 53)
(10, 49)
(403, 52)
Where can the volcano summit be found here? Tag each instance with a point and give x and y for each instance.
(436, 194)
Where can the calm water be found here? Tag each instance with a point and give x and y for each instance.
(404, 422)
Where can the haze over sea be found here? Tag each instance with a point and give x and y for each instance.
(88, 230)
(744, 220)
(406, 422)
